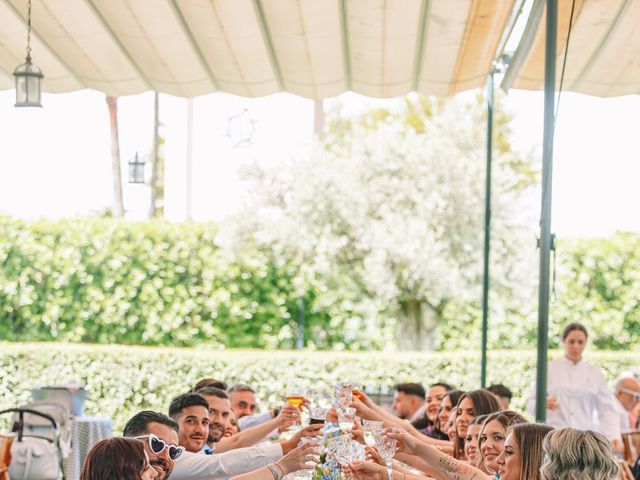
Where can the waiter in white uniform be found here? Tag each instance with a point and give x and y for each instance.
(577, 394)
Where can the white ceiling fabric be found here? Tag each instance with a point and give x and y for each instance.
(313, 48)
(604, 49)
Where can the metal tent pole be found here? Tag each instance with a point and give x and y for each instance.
(546, 239)
(487, 232)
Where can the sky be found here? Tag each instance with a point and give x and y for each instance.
(55, 161)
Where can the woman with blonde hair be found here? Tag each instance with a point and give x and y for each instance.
(571, 454)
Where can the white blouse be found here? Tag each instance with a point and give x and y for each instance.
(584, 399)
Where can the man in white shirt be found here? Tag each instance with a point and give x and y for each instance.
(626, 397)
(244, 404)
(191, 412)
(195, 466)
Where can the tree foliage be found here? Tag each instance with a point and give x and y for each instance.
(392, 206)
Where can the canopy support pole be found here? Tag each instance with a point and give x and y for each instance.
(546, 238)
(487, 231)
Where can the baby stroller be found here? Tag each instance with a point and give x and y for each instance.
(37, 451)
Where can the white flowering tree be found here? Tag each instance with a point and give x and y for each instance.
(392, 205)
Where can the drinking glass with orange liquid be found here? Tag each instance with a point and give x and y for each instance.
(295, 393)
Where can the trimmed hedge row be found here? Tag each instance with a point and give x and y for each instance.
(122, 380)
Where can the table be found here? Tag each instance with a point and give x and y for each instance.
(85, 432)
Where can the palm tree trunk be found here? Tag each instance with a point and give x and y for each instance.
(153, 205)
(117, 209)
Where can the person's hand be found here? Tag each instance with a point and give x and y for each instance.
(357, 432)
(363, 411)
(364, 398)
(372, 454)
(364, 470)
(552, 403)
(288, 416)
(332, 415)
(308, 431)
(406, 443)
(303, 457)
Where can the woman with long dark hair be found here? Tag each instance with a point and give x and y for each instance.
(471, 404)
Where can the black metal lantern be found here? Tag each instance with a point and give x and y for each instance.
(136, 169)
(28, 76)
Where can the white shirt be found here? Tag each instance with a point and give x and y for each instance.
(623, 415)
(581, 392)
(194, 466)
(252, 420)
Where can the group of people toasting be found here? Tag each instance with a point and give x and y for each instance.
(434, 433)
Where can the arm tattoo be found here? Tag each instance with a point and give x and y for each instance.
(448, 464)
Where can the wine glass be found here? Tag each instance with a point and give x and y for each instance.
(343, 394)
(387, 449)
(348, 452)
(370, 427)
(317, 415)
(346, 417)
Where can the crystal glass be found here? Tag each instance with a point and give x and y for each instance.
(346, 417)
(343, 394)
(317, 415)
(387, 449)
(369, 427)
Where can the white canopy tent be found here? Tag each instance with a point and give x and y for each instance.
(316, 49)
(603, 55)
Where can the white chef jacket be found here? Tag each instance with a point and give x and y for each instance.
(195, 466)
(581, 392)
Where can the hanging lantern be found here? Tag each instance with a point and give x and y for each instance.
(136, 169)
(28, 76)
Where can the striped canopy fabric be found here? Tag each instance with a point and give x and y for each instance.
(603, 55)
(312, 48)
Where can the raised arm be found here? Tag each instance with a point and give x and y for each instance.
(252, 435)
(447, 466)
(302, 457)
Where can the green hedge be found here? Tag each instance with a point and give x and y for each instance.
(148, 283)
(123, 380)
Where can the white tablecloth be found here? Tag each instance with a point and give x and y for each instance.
(85, 432)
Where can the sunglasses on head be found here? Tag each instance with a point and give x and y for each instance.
(635, 395)
(157, 446)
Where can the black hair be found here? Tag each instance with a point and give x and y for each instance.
(446, 386)
(138, 424)
(500, 390)
(412, 389)
(186, 400)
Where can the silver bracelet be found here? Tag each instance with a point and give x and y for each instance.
(276, 475)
